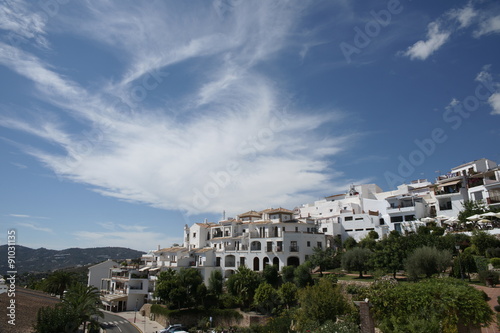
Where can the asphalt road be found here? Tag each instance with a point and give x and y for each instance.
(116, 324)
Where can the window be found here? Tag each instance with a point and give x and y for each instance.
(296, 229)
(331, 210)
(294, 247)
(325, 229)
(194, 234)
(269, 247)
(396, 219)
(358, 218)
(308, 244)
(494, 196)
(348, 218)
(409, 217)
(445, 204)
(381, 221)
(319, 245)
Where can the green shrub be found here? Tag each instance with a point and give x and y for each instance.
(490, 276)
(495, 262)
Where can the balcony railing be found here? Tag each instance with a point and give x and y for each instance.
(294, 249)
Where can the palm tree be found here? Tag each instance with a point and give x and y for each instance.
(85, 301)
(58, 282)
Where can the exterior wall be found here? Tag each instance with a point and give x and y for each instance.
(99, 272)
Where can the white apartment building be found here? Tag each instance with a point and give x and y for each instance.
(273, 236)
(282, 237)
(126, 288)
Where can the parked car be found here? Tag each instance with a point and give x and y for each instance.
(175, 328)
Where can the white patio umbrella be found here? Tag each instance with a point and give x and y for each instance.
(442, 217)
(489, 214)
(475, 217)
(427, 219)
(484, 221)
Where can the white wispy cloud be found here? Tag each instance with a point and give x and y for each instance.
(494, 102)
(25, 216)
(23, 24)
(139, 239)
(484, 21)
(488, 25)
(34, 227)
(486, 78)
(465, 16)
(422, 49)
(239, 142)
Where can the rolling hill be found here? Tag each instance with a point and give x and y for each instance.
(44, 260)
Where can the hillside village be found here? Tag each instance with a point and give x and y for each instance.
(288, 237)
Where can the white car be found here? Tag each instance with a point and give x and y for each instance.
(175, 328)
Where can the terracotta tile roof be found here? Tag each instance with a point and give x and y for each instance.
(203, 250)
(172, 249)
(251, 213)
(277, 210)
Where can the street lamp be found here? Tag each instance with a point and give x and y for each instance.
(135, 313)
(459, 262)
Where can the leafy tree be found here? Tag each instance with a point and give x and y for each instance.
(482, 241)
(373, 234)
(215, 283)
(271, 275)
(302, 276)
(464, 264)
(287, 274)
(419, 307)
(390, 254)
(243, 284)
(85, 301)
(322, 259)
(61, 319)
(58, 282)
(288, 294)
(357, 259)
(190, 279)
(266, 298)
(350, 243)
(368, 243)
(427, 261)
(471, 208)
(320, 303)
(166, 285)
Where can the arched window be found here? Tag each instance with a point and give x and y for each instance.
(255, 246)
(256, 266)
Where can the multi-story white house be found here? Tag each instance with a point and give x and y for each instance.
(282, 237)
(126, 288)
(100, 271)
(254, 239)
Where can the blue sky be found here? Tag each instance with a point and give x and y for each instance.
(120, 122)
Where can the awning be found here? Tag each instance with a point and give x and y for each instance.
(155, 269)
(144, 269)
(113, 298)
(450, 183)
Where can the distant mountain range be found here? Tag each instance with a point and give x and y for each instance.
(43, 260)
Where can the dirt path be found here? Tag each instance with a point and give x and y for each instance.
(492, 293)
